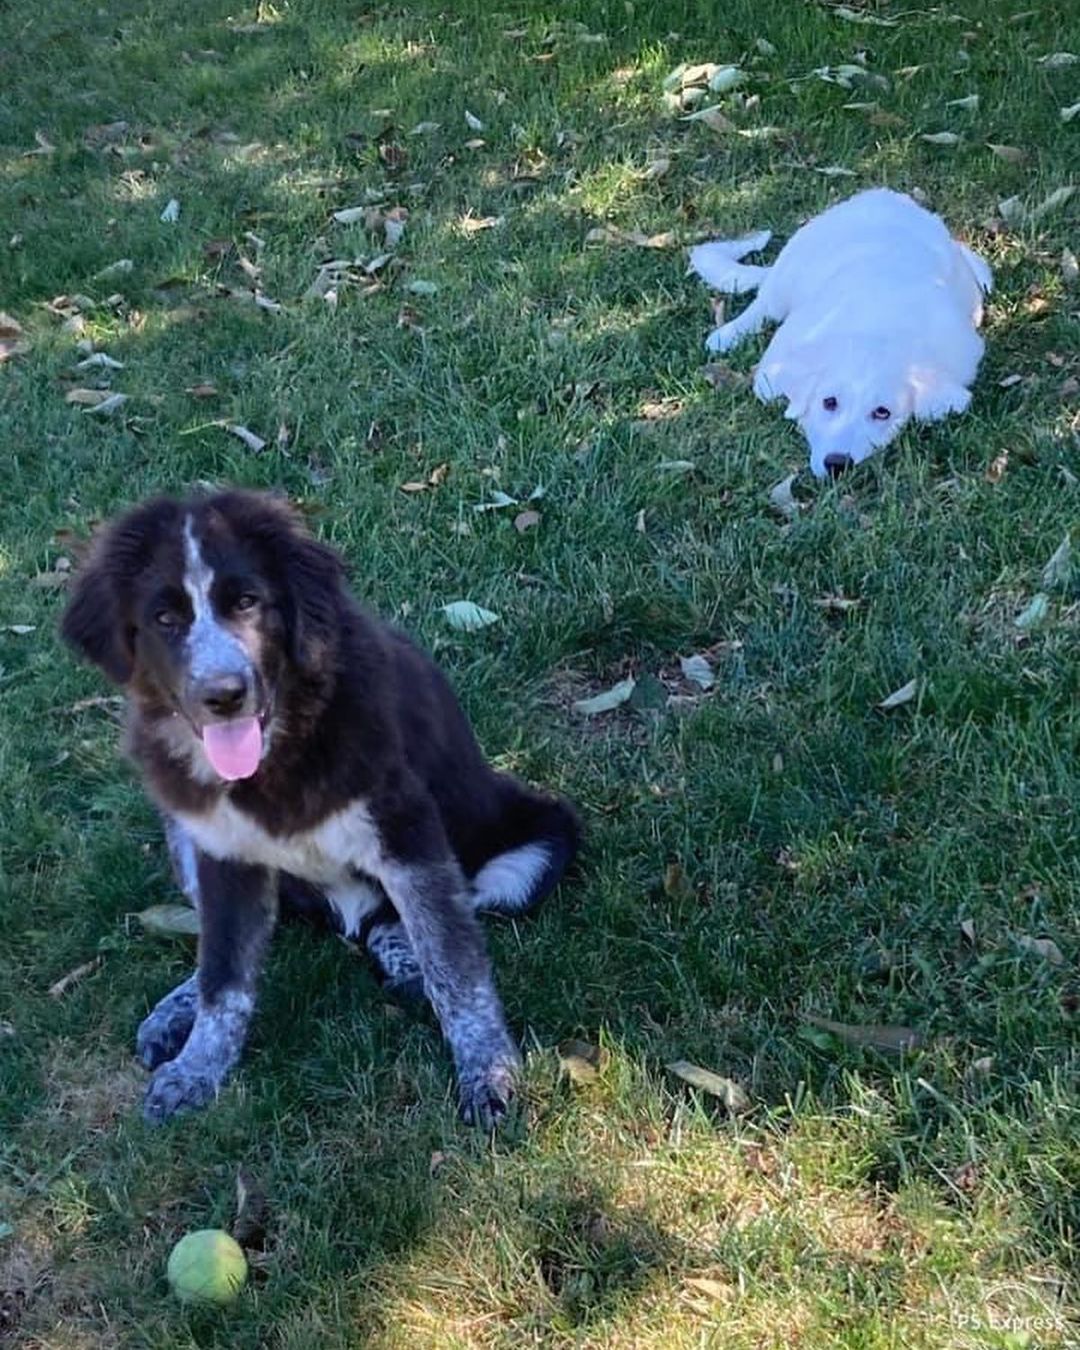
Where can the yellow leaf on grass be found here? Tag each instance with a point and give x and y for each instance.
(728, 1091)
(894, 1039)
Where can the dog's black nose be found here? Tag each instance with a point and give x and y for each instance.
(223, 695)
(835, 465)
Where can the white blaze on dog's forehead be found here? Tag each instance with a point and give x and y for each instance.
(212, 649)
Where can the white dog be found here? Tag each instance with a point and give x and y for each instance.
(878, 308)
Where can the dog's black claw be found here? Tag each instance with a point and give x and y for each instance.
(486, 1099)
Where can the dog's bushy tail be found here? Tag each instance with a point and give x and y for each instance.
(536, 839)
(717, 263)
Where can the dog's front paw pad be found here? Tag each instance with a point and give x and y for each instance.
(176, 1088)
(485, 1097)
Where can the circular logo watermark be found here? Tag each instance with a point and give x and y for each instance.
(1034, 1310)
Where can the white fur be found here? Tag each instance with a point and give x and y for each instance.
(878, 308)
(509, 880)
(353, 901)
(212, 649)
(324, 855)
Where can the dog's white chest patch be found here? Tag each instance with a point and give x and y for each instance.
(344, 842)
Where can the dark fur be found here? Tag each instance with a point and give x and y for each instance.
(360, 715)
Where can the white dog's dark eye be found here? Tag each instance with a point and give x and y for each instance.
(881, 413)
(829, 404)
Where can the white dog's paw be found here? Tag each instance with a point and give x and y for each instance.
(722, 339)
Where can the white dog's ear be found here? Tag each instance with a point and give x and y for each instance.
(935, 395)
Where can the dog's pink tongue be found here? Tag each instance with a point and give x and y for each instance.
(234, 748)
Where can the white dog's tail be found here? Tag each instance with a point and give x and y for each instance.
(718, 263)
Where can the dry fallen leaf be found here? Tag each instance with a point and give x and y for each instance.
(99, 361)
(996, 471)
(940, 138)
(1067, 114)
(698, 670)
(72, 978)
(861, 16)
(1034, 612)
(472, 121)
(394, 222)
(1057, 60)
(729, 1092)
(12, 341)
(1059, 569)
(107, 406)
(169, 920)
(171, 214)
(465, 616)
(20, 629)
(874, 1037)
(782, 499)
(580, 1061)
(969, 103)
(253, 442)
(900, 696)
(526, 520)
(204, 390)
(611, 698)
(1047, 948)
(121, 267)
(252, 1212)
(1011, 154)
(837, 604)
(713, 118)
(476, 224)
(1070, 268)
(710, 1288)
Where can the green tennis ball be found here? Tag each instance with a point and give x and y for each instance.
(208, 1267)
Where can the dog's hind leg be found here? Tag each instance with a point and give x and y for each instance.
(717, 263)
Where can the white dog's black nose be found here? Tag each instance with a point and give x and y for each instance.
(222, 695)
(835, 465)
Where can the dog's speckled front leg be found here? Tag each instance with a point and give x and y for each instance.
(445, 935)
(237, 911)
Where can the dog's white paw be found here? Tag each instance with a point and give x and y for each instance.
(722, 339)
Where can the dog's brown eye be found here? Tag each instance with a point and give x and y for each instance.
(245, 602)
(167, 618)
(881, 413)
(829, 404)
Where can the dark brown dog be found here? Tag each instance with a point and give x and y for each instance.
(289, 737)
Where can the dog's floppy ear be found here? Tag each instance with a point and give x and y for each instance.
(934, 395)
(314, 580)
(92, 622)
(97, 621)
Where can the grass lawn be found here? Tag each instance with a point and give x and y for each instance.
(773, 851)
